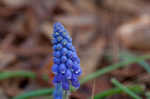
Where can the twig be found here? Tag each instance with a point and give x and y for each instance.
(93, 89)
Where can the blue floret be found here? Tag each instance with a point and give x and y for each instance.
(66, 62)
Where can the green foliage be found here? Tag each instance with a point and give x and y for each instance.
(6, 75)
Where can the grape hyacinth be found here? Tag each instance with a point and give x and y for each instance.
(66, 65)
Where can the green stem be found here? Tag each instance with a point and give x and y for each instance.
(94, 75)
(66, 95)
(125, 89)
(113, 91)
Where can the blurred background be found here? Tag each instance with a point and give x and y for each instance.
(104, 32)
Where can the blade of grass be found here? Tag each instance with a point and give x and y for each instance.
(95, 74)
(125, 89)
(128, 56)
(36, 93)
(11, 74)
(145, 65)
(113, 67)
(14, 74)
(113, 91)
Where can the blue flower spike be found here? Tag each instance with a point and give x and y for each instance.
(66, 62)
